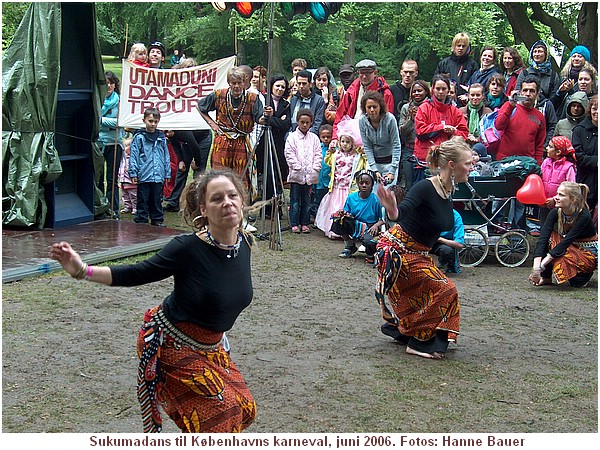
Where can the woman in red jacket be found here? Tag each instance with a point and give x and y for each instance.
(437, 120)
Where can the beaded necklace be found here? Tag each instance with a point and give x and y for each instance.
(566, 221)
(231, 110)
(443, 188)
(233, 250)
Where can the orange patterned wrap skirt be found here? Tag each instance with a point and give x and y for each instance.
(580, 257)
(420, 298)
(196, 384)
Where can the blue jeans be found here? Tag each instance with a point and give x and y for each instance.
(149, 196)
(299, 204)
(318, 196)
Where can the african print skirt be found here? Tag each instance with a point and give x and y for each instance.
(420, 298)
(197, 384)
(580, 257)
(227, 152)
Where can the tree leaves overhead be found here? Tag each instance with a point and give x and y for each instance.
(12, 14)
(387, 32)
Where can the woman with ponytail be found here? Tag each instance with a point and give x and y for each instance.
(422, 308)
(567, 249)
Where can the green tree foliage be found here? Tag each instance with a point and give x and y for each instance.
(12, 13)
(387, 32)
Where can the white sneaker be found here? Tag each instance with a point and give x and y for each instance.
(246, 226)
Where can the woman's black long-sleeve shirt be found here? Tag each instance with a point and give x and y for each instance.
(583, 228)
(210, 289)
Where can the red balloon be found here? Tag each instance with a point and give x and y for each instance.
(532, 191)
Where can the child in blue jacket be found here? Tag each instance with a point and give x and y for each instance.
(149, 168)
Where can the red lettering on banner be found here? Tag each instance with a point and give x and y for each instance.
(138, 92)
(137, 75)
(174, 106)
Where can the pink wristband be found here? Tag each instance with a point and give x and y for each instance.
(90, 272)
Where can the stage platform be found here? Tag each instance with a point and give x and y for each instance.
(25, 252)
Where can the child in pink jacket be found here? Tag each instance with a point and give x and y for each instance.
(303, 155)
(559, 166)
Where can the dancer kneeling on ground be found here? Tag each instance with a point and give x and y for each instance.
(422, 308)
(184, 354)
(568, 240)
(361, 219)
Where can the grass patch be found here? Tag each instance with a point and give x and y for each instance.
(112, 63)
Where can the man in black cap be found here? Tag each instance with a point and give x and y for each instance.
(156, 55)
(346, 73)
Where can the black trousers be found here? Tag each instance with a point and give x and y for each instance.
(438, 343)
(149, 203)
(196, 146)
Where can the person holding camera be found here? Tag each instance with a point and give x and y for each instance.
(523, 125)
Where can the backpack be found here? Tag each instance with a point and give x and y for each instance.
(489, 135)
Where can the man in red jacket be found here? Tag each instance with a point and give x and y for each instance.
(367, 81)
(524, 135)
(525, 130)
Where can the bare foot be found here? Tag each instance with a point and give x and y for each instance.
(434, 355)
(544, 281)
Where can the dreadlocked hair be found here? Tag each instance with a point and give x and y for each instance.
(194, 196)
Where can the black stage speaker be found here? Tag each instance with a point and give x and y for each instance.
(70, 199)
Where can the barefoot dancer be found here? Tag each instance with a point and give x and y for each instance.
(185, 364)
(422, 310)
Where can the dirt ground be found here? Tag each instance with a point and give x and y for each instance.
(312, 353)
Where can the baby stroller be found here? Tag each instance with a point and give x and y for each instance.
(483, 202)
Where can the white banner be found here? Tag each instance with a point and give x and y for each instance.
(174, 92)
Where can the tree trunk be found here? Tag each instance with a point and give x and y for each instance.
(375, 32)
(587, 28)
(350, 52)
(523, 29)
(240, 47)
(558, 30)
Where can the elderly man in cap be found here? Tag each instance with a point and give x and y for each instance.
(367, 81)
(156, 55)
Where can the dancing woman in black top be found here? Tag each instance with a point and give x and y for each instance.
(422, 308)
(184, 354)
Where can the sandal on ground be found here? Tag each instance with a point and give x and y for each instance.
(305, 229)
(295, 229)
(348, 252)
